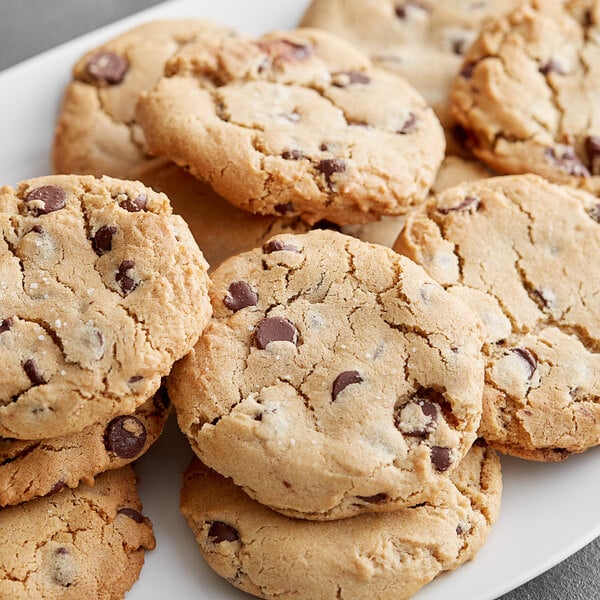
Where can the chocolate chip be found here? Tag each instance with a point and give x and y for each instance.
(33, 373)
(63, 567)
(52, 197)
(126, 283)
(102, 240)
(292, 155)
(284, 209)
(528, 356)
(240, 296)
(161, 399)
(132, 514)
(567, 160)
(38, 229)
(59, 485)
(470, 202)
(221, 532)
(441, 458)
(329, 166)
(467, 69)
(135, 379)
(459, 530)
(125, 436)
(343, 79)
(278, 246)
(136, 205)
(594, 212)
(6, 325)
(402, 10)
(551, 67)
(323, 147)
(274, 329)
(592, 149)
(410, 125)
(286, 50)
(376, 499)
(107, 67)
(458, 46)
(342, 381)
(328, 225)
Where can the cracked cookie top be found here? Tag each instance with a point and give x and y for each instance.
(385, 556)
(521, 252)
(335, 378)
(83, 543)
(96, 133)
(295, 123)
(527, 93)
(102, 289)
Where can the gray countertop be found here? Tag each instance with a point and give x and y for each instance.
(28, 27)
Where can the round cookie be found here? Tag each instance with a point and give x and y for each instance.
(423, 41)
(453, 170)
(528, 92)
(82, 543)
(96, 132)
(221, 229)
(102, 289)
(295, 123)
(32, 469)
(335, 378)
(532, 283)
(383, 556)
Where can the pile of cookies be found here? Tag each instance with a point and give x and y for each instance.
(385, 313)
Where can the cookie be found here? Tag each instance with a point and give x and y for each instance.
(96, 132)
(102, 288)
(383, 556)
(423, 41)
(335, 378)
(82, 543)
(221, 229)
(453, 170)
(295, 123)
(521, 252)
(32, 469)
(528, 92)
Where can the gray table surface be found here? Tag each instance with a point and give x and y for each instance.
(28, 27)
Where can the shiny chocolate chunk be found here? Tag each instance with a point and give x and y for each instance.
(221, 532)
(330, 166)
(126, 283)
(342, 381)
(240, 296)
(529, 358)
(132, 514)
(278, 246)
(441, 458)
(107, 67)
(34, 374)
(136, 205)
(125, 436)
(46, 199)
(38, 229)
(102, 240)
(274, 329)
(286, 50)
(6, 325)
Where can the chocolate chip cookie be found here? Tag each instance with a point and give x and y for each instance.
(96, 132)
(295, 123)
(528, 92)
(384, 556)
(83, 543)
(221, 229)
(102, 289)
(520, 251)
(335, 378)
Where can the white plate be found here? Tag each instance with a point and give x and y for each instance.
(549, 510)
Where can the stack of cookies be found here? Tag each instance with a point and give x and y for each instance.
(345, 399)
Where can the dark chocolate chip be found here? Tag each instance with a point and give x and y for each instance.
(33, 373)
(59, 485)
(161, 399)
(342, 381)
(286, 50)
(240, 296)
(284, 209)
(107, 67)
(329, 166)
(467, 69)
(458, 46)
(38, 229)
(52, 197)
(552, 67)
(528, 356)
(592, 149)
(132, 514)
(136, 205)
(376, 499)
(6, 325)
(135, 379)
(278, 246)
(343, 79)
(126, 283)
(274, 329)
(402, 9)
(568, 161)
(323, 147)
(594, 212)
(292, 155)
(459, 530)
(410, 124)
(102, 240)
(325, 224)
(221, 532)
(441, 458)
(470, 202)
(125, 436)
